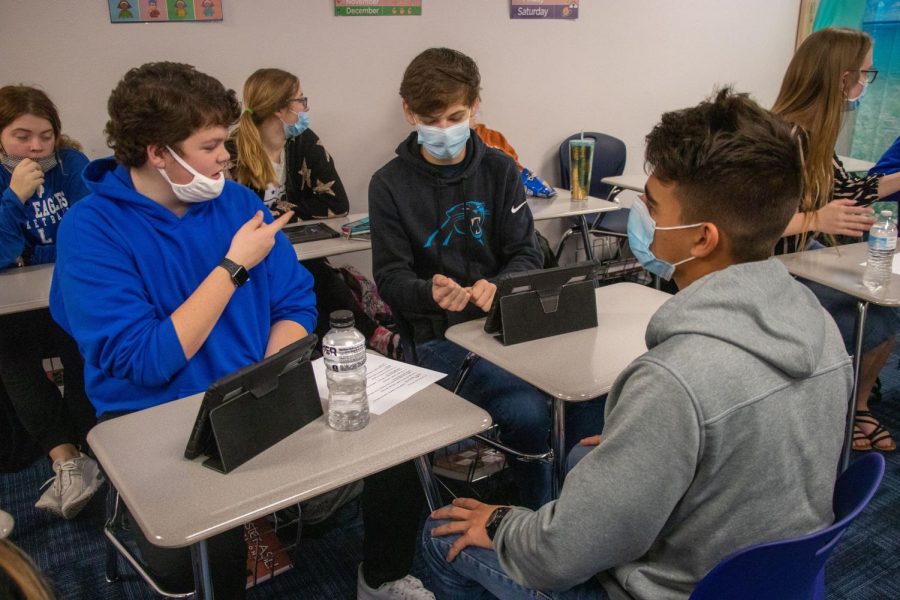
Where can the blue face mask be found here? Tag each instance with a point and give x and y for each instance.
(851, 104)
(301, 125)
(444, 144)
(641, 230)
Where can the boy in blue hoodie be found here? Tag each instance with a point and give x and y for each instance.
(449, 216)
(169, 277)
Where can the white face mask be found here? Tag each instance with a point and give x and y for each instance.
(200, 189)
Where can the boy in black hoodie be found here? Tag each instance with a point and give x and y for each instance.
(448, 217)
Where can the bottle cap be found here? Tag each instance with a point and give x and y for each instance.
(341, 318)
(886, 213)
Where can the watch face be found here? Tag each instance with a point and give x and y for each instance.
(240, 276)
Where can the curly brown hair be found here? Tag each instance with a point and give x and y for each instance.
(734, 164)
(438, 78)
(162, 104)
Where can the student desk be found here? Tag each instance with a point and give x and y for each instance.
(577, 366)
(841, 268)
(334, 246)
(856, 165)
(562, 205)
(178, 502)
(620, 183)
(25, 288)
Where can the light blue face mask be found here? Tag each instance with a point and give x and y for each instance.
(641, 230)
(851, 104)
(295, 129)
(443, 144)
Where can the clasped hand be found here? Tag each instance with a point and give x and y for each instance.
(453, 297)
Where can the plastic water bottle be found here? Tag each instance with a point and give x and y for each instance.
(882, 242)
(344, 350)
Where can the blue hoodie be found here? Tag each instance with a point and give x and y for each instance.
(29, 229)
(125, 264)
(887, 164)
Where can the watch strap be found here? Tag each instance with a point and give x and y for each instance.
(494, 521)
(238, 273)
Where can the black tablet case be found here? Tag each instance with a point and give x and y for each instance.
(251, 410)
(531, 305)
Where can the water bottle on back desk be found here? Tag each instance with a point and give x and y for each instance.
(882, 243)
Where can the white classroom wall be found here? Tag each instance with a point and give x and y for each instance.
(614, 70)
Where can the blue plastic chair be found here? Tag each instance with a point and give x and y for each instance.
(794, 569)
(609, 160)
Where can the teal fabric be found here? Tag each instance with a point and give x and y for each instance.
(840, 13)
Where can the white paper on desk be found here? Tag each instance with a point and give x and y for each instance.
(388, 382)
(895, 266)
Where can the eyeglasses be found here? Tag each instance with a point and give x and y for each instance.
(869, 74)
(303, 100)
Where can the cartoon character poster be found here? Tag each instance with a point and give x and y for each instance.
(137, 11)
(123, 11)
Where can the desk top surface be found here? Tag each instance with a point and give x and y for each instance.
(855, 165)
(634, 181)
(28, 288)
(562, 205)
(581, 365)
(25, 288)
(841, 268)
(178, 502)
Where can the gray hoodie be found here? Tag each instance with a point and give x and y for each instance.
(725, 434)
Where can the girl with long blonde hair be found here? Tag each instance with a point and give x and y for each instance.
(827, 77)
(280, 158)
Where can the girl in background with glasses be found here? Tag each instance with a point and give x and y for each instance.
(827, 77)
(279, 157)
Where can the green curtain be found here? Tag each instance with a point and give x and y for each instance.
(840, 13)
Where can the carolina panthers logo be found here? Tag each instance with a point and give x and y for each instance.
(454, 224)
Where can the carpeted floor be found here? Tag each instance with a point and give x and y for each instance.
(864, 566)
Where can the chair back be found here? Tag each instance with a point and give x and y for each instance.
(609, 160)
(794, 568)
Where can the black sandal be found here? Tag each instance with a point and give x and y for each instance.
(879, 434)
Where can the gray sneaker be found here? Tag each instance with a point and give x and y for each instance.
(75, 483)
(408, 588)
(6, 524)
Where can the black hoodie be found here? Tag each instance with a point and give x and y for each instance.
(469, 226)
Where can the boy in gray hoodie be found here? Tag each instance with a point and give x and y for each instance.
(726, 433)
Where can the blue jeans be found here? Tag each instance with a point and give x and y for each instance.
(476, 574)
(521, 411)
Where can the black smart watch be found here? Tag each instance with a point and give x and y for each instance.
(494, 521)
(238, 273)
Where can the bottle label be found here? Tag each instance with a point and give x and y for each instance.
(345, 358)
(882, 242)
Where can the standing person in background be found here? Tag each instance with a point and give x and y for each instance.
(280, 158)
(828, 75)
(40, 180)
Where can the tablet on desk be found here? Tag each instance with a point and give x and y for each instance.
(530, 305)
(253, 408)
(309, 232)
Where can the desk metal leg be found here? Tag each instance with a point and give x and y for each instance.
(558, 445)
(586, 236)
(858, 330)
(202, 575)
(429, 485)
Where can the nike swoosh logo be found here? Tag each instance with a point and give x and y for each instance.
(515, 209)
